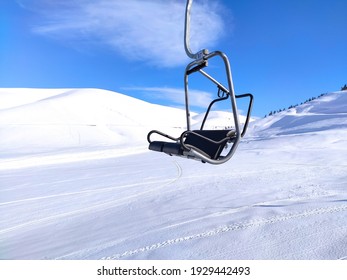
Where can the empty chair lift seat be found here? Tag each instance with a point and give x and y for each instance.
(210, 143)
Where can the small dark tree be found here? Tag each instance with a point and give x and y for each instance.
(344, 87)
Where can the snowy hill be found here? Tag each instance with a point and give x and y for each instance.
(317, 128)
(78, 182)
(325, 113)
(71, 118)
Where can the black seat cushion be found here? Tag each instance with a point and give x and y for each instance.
(209, 148)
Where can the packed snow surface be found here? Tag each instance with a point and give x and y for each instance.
(77, 182)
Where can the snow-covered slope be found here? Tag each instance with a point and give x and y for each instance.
(77, 182)
(317, 126)
(326, 113)
(45, 119)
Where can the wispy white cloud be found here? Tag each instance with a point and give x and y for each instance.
(176, 96)
(141, 30)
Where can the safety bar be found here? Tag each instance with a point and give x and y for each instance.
(226, 96)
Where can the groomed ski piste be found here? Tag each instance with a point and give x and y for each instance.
(77, 182)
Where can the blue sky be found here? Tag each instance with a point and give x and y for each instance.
(282, 51)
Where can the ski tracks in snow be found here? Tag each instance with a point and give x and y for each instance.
(232, 227)
(160, 184)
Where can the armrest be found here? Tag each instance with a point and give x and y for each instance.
(250, 105)
(160, 133)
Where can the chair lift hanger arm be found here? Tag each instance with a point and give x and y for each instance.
(190, 54)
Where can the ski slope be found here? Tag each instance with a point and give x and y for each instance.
(77, 182)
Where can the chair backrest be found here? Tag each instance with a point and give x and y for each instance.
(208, 142)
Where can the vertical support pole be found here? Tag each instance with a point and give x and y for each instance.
(187, 98)
(190, 55)
(187, 30)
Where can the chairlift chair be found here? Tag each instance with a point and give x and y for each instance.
(204, 144)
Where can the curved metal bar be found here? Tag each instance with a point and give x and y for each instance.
(161, 134)
(194, 153)
(184, 134)
(230, 85)
(204, 158)
(187, 30)
(250, 105)
(237, 138)
(199, 55)
(209, 109)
